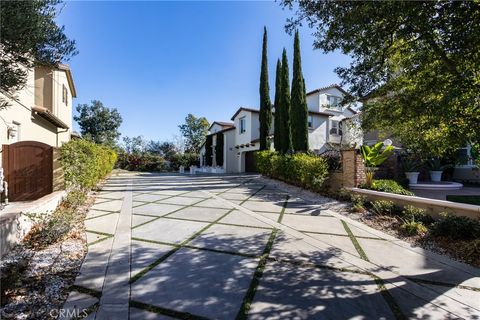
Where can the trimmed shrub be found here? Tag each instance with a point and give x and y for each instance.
(413, 213)
(301, 169)
(413, 228)
(457, 227)
(389, 186)
(144, 161)
(383, 207)
(184, 159)
(86, 163)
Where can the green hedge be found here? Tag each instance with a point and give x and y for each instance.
(86, 163)
(301, 169)
(145, 161)
(390, 186)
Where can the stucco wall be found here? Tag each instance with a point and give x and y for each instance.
(32, 127)
(246, 137)
(317, 137)
(230, 159)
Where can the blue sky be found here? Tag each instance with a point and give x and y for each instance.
(158, 61)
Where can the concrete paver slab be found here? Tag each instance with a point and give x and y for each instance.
(207, 284)
(145, 253)
(167, 230)
(232, 238)
(197, 213)
(156, 209)
(314, 224)
(181, 200)
(112, 205)
(214, 203)
(149, 197)
(302, 293)
(240, 218)
(103, 224)
(264, 206)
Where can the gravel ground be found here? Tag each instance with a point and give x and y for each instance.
(35, 282)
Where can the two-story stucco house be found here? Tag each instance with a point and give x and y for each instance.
(325, 118)
(36, 121)
(42, 110)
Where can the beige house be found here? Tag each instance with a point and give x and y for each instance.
(36, 121)
(42, 110)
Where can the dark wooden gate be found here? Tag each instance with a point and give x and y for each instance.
(28, 170)
(250, 162)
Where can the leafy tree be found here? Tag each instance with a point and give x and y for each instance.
(165, 149)
(194, 130)
(29, 34)
(284, 107)
(219, 150)
(417, 63)
(98, 122)
(277, 135)
(298, 109)
(265, 104)
(208, 150)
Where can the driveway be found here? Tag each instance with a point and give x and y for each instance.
(226, 247)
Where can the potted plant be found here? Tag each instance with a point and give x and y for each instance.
(372, 158)
(436, 169)
(410, 167)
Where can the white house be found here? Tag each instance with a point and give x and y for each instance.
(241, 139)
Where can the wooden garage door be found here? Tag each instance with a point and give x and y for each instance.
(28, 170)
(250, 162)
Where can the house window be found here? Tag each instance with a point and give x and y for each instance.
(64, 95)
(336, 127)
(243, 126)
(310, 122)
(334, 102)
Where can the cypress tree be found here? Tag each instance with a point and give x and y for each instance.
(285, 105)
(219, 149)
(277, 135)
(208, 150)
(298, 109)
(265, 103)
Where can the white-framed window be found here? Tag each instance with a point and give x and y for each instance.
(334, 102)
(310, 122)
(336, 127)
(242, 125)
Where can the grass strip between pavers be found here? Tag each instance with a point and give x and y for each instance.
(91, 292)
(443, 284)
(168, 254)
(392, 304)
(280, 218)
(98, 241)
(159, 217)
(179, 246)
(355, 242)
(101, 215)
(156, 201)
(165, 311)
(252, 289)
(340, 235)
(253, 194)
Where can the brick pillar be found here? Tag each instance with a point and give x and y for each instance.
(352, 168)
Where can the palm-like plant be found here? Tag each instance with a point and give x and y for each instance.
(373, 157)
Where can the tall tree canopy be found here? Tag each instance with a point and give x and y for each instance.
(265, 104)
(418, 63)
(284, 106)
(30, 34)
(194, 130)
(298, 108)
(98, 122)
(277, 121)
